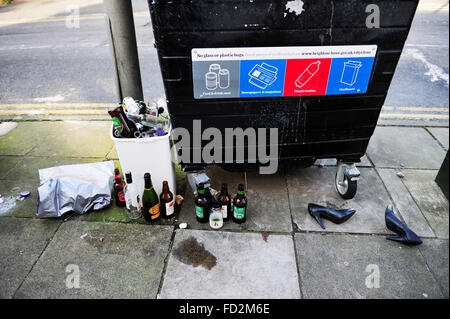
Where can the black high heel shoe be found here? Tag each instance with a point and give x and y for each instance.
(405, 235)
(334, 215)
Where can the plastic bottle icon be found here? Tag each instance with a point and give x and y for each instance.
(307, 75)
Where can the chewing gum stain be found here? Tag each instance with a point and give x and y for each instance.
(191, 252)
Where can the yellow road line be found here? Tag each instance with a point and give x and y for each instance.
(414, 116)
(55, 105)
(423, 109)
(92, 17)
(54, 112)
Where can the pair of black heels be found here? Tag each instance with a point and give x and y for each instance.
(339, 216)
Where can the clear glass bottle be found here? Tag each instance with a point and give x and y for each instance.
(216, 217)
(131, 198)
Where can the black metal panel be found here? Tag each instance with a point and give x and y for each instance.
(311, 126)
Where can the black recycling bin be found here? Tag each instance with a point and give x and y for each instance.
(318, 70)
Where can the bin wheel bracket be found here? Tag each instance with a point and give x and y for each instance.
(346, 180)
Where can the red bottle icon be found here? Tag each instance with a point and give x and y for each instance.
(310, 71)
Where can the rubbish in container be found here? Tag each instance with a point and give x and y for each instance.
(118, 186)
(167, 202)
(216, 217)
(78, 188)
(131, 106)
(131, 197)
(135, 119)
(336, 216)
(201, 204)
(405, 235)
(150, 201)
(240, 205)
(224, 200)
(122, 125)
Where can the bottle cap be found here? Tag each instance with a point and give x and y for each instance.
(215, 205)
(147, 176)
(201, 188)
(224, 185)
(128, 177)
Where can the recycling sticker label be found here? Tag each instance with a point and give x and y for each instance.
(281, 71)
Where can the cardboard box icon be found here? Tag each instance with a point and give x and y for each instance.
(350, 72)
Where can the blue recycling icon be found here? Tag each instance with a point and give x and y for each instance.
(350, 72)
(349, 76)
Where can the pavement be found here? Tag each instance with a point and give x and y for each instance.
(51, 70)
(280, 252)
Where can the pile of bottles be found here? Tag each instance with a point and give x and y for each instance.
(136, 119)
(145, 202)
(217, 211)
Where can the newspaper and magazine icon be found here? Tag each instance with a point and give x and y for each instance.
(263, 75)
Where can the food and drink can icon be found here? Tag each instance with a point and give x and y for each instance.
(224, 79)
(211, 80)
(214, 68)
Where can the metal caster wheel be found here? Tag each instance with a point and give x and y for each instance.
(346, 180)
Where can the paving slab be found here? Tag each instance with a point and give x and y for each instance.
(441, 134)
(410, 147)
(337, 266)
(73, 139)
(268, 205)
(365, 162)
(435, 252)
(316, 185)
(10, 190)
(404, 203)
(20, 140)
(430, 199)
(7, 163)
(22, 241)
(28, 167)
(217, 176)
(217, 264)
(112, 154)
(114, 260)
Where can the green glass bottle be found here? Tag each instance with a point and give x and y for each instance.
(240, 206)
(201, 205)
(150, 201)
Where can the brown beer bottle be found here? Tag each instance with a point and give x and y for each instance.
(201, 205)
(125, 127)
(119, 194)
(240, 206)
(166, 202)
(225, 202)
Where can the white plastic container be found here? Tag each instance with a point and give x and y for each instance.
(147, 155)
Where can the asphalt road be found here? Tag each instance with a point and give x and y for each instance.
(45, 62)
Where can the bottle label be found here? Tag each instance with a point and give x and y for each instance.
(216, 220)
(239, 212)
(121, 196)
(224, 210)
(154, 211)
(117, 124)
(170, 208)
(200, 211)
